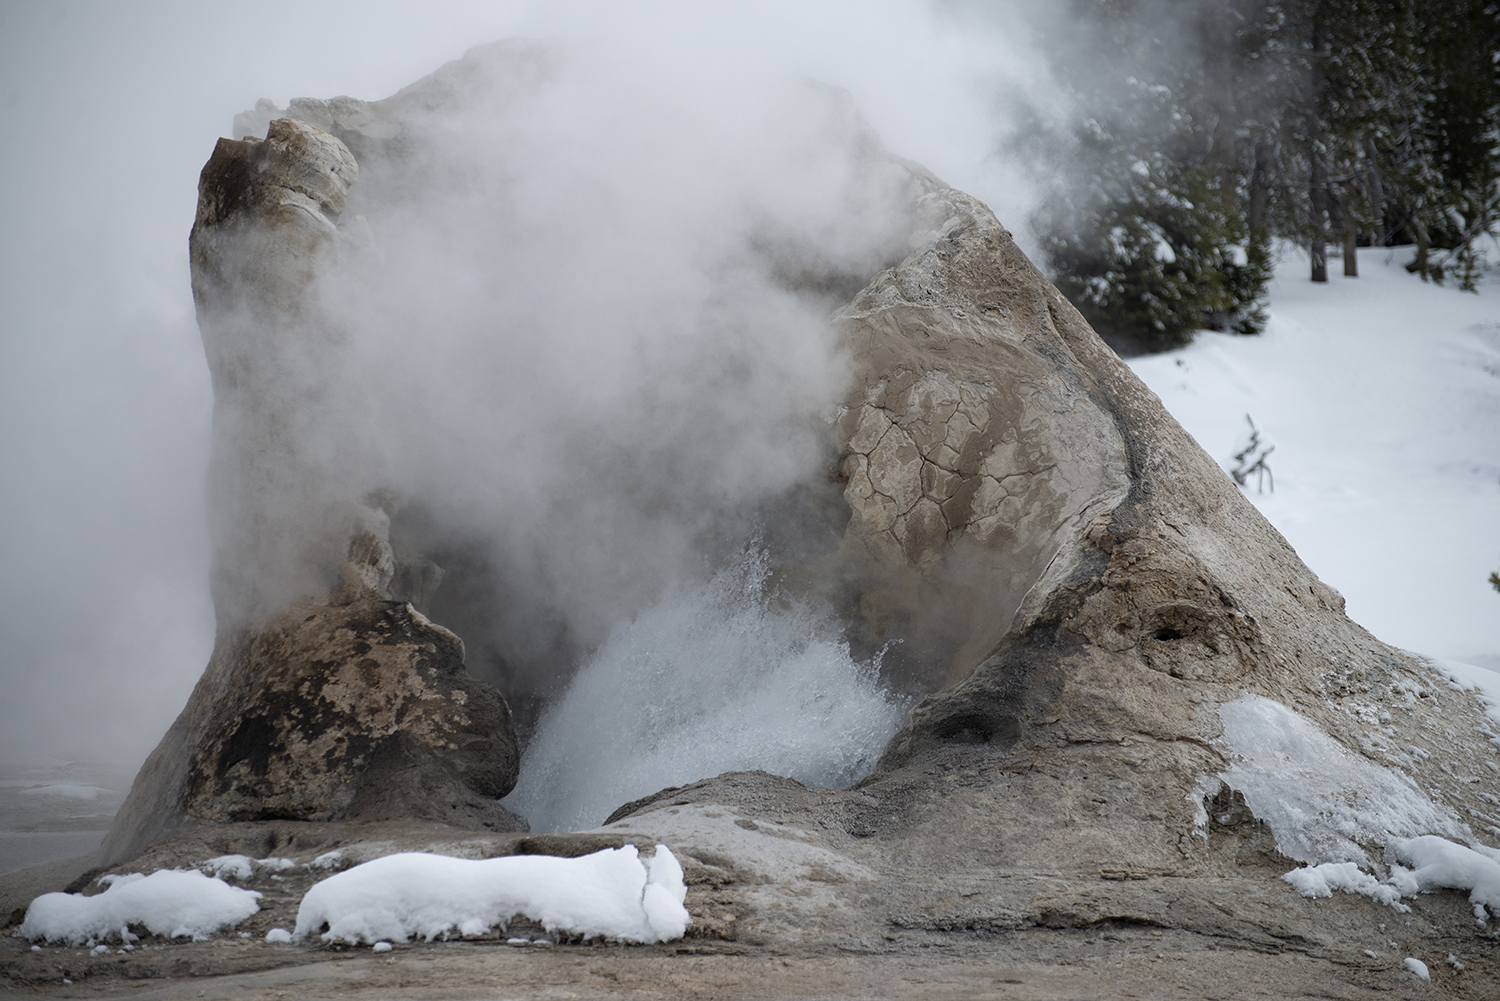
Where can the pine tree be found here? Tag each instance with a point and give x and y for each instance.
(1450, 145)
(1144, 229)
(1211, 129)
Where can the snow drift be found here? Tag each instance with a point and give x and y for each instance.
(170, 902)
(610, 894)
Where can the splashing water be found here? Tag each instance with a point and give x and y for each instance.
(717, 678)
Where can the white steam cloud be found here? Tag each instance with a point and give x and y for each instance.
(588, 352)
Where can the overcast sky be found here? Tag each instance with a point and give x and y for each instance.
(108, 111)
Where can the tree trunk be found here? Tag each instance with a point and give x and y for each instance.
(1317, 181)
(1317, 196)
(1219, 42)
(1260, 183)
(1318, 250)
(1351, 253)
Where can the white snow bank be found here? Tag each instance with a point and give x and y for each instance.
(1322, 880)
(610, 894)
(1318, 797)
(1418, 967)
(1441, 864)
(172, 902)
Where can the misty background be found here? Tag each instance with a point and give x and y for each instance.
(110, 111)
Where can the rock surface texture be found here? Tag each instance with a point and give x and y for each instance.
(328, 696)
(1084, 584)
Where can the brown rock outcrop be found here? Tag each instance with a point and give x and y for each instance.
(349, 711)
(328, 696)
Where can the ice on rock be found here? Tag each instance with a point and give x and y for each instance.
(1319, 798)
(171, 902)
(610, 894)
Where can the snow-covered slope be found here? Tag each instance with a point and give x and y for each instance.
(1382, 397)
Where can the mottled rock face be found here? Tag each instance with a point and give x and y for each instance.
(969, 453)
(328, 696)
(334, 711)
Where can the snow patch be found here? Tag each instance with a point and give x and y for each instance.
(237, 867)
(170, 902)
(1322, 880)
(1441, 864)
(1319, 798)
(1418, 967)
(610, 894)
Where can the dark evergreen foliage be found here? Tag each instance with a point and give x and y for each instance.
(1212, 128)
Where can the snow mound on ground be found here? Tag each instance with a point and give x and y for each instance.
(1441, 864)
(171, 902)
(1318, 797)
(610, 894)
(1322, 880)
(228, 866)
